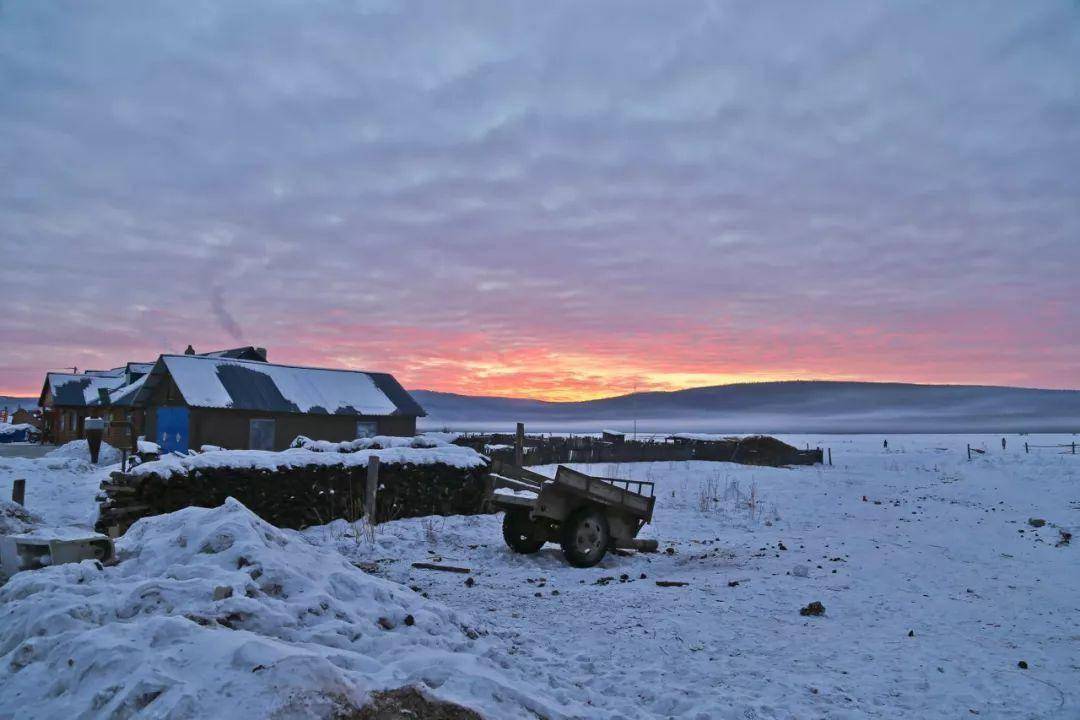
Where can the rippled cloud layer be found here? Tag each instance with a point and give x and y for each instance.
(548, 199)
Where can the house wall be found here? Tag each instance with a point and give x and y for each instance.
(24, 416)
(231, 428)
(66, 422)
(118, 435)
(164, 395)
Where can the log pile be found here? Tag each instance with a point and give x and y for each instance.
(296, 497)
(552, 450)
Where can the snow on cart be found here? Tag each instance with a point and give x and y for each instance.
(586, 515)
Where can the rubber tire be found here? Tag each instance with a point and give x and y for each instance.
(519, 532)
(575, 524)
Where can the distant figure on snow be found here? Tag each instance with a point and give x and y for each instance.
(1002, 443)
(886, 444)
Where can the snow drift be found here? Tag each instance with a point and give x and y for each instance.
(377, 442)
(215, 613)
(80, 450)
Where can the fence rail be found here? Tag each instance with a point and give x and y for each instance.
(1067, 448)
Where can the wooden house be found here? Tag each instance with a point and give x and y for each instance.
(67, 399)
(194, 400)
(22, 416)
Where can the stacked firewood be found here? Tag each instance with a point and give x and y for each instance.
(295, 497)
(551, 450)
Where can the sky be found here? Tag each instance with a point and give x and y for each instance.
(558, 200)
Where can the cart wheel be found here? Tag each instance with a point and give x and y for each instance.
(520, 533)
(585, 537)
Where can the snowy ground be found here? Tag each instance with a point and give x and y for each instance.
(940, 548)
(213, 613)
(62, 484)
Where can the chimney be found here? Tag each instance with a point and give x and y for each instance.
(190, 350)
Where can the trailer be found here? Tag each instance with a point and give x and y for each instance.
(586, 515)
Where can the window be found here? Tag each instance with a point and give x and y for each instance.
(261, 435)
(366, 429)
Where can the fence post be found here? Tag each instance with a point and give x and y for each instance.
(371, 489)
(18, 492)
(969, 451)
(1074, 448)
(1026, 451)
(519, 445)
(830, 457)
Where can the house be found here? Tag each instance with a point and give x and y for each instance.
(67, 399)
(613, 436)
(194, 400)
(22, 416)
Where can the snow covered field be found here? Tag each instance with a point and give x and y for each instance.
(941, 548)
(935, 588)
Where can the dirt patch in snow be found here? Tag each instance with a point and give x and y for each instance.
(409, 704)
(15, 519)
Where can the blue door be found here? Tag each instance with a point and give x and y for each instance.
(172, 429)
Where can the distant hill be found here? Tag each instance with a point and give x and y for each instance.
(13, 403)
(770, 407)
(776, 407)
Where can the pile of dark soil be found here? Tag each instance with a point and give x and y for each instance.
(408, 704)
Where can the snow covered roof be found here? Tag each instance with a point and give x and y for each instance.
(139, 368)
(78, 390)
(248, 352)
(125, 394)
(212, 382)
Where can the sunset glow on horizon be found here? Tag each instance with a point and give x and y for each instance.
(596, 365)
(554, 201)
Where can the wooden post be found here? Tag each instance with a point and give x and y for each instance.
(519, 445)
(371, 490)
(1074, 448)
(969, 451)
(18, 492)
(1026, 448)
(830, 457)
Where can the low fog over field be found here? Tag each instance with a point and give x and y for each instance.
(842, 407)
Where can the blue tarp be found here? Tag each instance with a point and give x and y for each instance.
(16, 433)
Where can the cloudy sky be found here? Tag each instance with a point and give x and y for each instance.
(557, 199)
